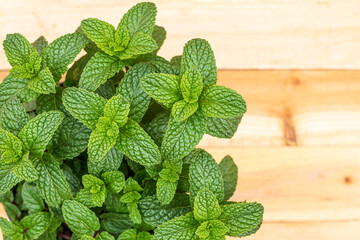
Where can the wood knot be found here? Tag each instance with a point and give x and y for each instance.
(347, 180)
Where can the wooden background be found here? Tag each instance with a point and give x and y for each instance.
(298, 147)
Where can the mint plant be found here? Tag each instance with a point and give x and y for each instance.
(106, 149)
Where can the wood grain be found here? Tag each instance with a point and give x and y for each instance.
(246, 34)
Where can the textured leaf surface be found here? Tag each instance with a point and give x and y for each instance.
(129, 87)
(114, 181)
(51, 183)
(182, 110)
(241, 217)
(43, 82)
(111, 162)
(117, 110)
(25, 169)
(158, 126)
(198, 53)
(219, 101)
(164, 88)
(36, 224)
(165, 190)
(140, 18)
(49, 102)
(221, 127)
(40, 44)
(17, 49)
(181, 228)
(8, 228)
(13, 116)
(100, 143)
(37, 133)
(206, 206)
(191, 85)
(159, 35)
(229, 171)
(135, 143)
(86, 106)
(61, 52)
(80, 219)
(8, 179)
(99, 68)
(182, 137)
(116, 223)
(139, 44)
(205, 173)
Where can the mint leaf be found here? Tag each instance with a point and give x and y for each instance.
(40, 44)
(241, 217)
(51, 183)
(13, 116)
(100, 32)
(85, 106)
(10, 88)
(213, 229)
(139, 44)
(72, 179)
(17, 49)
(69, 140)
(176, 63)
(72, 77)
(205, 173)
(122, 38)
(108, 89)
(219, 101)
(43, 82)
(9, 143)
(80, 219)
(159, 35)
(182, 110)
(99, 68)
(12, 211)
(49, 102)
(129, 87)
(221, 127)
(36, 224)
(182, 137)
(117, 110)
(164, 88)
(94, 192)
(155, 213)
(181, 228)
(206, 206)
(250, 232)
(115, 223)
(129, 234)
(229, 172)
(8, 228)
(165, 190)
(191, 85)
(115, 181)
(158, 126)
(37, 133)
(110, 162)
(25, 170)
(8, 179)
(135, 143)
(61, 52)
(105, 236)
(140, 18)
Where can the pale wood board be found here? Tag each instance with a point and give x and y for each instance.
(246, 34)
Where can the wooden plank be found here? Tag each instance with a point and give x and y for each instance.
(245, 34)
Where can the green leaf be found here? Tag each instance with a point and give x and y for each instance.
(122, 38)
(117, 110)
(25, 169)
(205, 173)
(9, 143)
(198, 53)
(159, 35)
(132, 185)
(135, 143)
(86, 106)
(8, 228)
(12, 211)
(139, 44)
(191, 85)
(111, 162)
(43, 82)
(213, 229)
(72, 77)
(51, 183)
(180, 228)
(94, 193)
(164, 88)
(129, 234)
(72, 179)
(61, 52)
(250, 232)
(221, 127)
(206, 206)
(219, 101)
(13, 116)
(229, 171)
(99, 68)
(105, 236)
(40, 44)
(134, 213)
(8, 179)
(37, 133)
(182, 110)
(69, 140)
(140, 18)
(29, 69)
(241, 217)
(158, 126)
(36, 224)
(80, 219)
(100, 32)
(49, 102)
(115, 223)
(115, 181)
(17, 49)
(11, 88)
(129, 87)
(85, 197)
(182, 137)
(176, 63)
(165, 191)
(155, 213)
(108, 89)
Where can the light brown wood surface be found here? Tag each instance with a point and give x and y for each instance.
(245, 34)
(298, 151)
